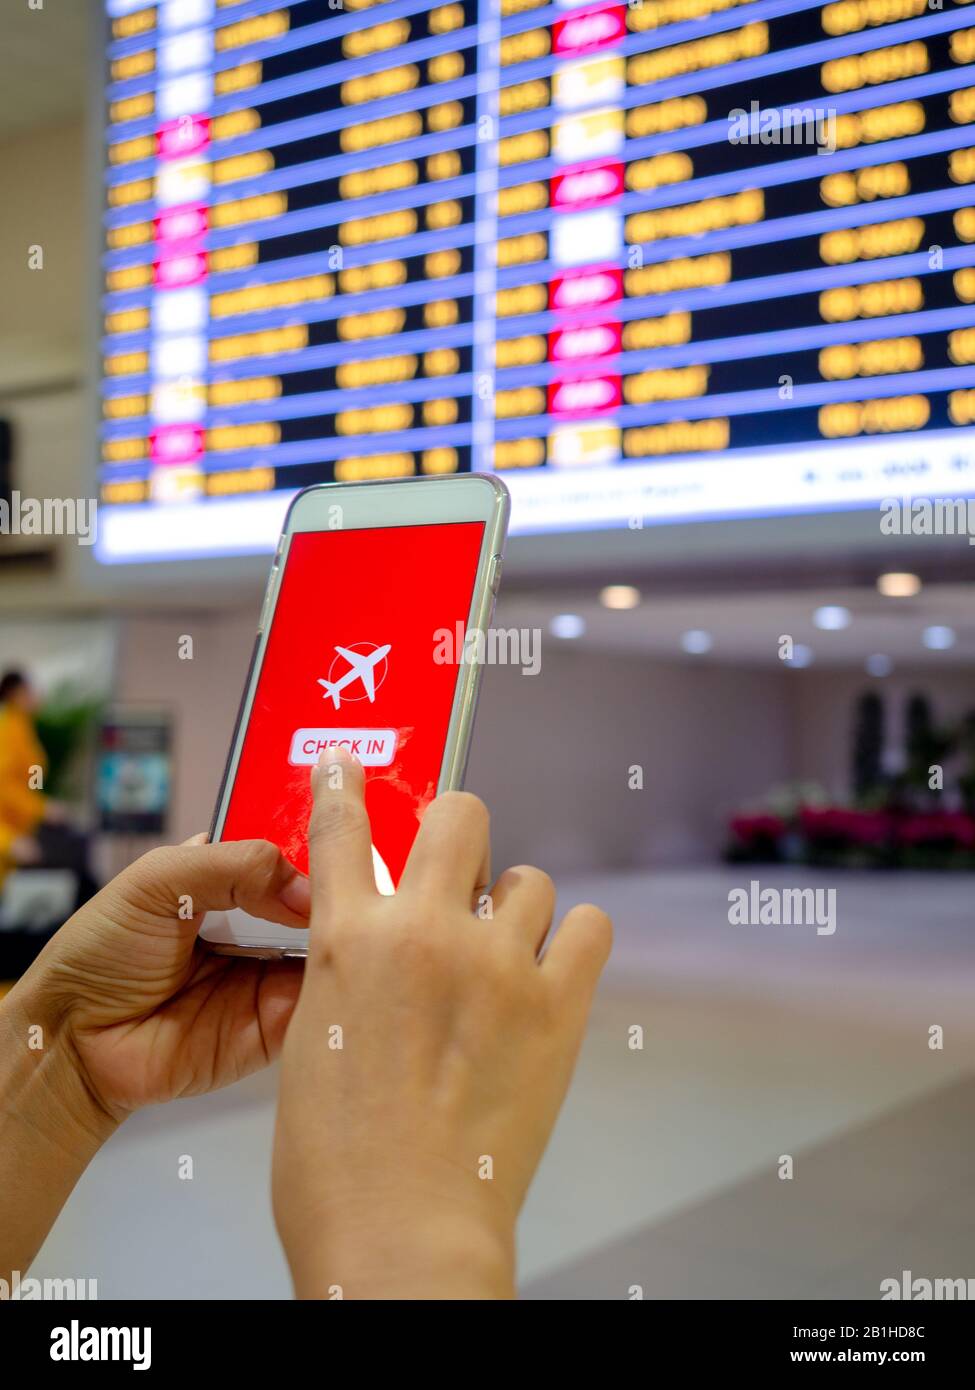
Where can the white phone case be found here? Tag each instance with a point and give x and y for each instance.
(407, 502)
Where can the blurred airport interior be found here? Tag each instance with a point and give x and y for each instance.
(727, 699)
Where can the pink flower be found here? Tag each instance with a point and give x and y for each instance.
(840, 823)
(939, 827)
(757, 827)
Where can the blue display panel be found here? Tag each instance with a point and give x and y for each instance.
(667, 260)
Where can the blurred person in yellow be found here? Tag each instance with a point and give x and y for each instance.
(33, 826)
(23, 763)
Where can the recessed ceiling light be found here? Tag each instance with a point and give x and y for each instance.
(937, 638)
(801, 656)
(567, 626)
(879, 665)
(831, 618)
(696, 642)
(619, 596)
(898, 585)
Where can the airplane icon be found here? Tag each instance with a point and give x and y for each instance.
(362, 667)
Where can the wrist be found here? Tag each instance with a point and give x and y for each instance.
(50, 1126)
(371, 1248)
(43, 1081)
(395, 1237)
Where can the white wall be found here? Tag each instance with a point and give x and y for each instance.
(552, 755)
(79, 650)
(551, 752)
(43, 342)
(202, 695)
(42, 328)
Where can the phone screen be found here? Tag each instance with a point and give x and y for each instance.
(357, 653)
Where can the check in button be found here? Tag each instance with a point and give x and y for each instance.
(373, 747)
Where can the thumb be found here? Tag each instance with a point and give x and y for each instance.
(181, 882)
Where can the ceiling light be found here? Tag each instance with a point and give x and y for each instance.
(831, 618)
(879, 665)
(801, 656)
(619, 596)
(696, 642)
(567, 626)
(937, 638)
(897, 585)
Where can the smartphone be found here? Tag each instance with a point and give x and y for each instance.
(367, 638)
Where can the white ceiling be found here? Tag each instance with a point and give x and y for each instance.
(746, 627)
(44, 63)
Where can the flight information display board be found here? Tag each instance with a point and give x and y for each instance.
(664, 260)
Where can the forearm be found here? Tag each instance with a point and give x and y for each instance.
(50, 1127)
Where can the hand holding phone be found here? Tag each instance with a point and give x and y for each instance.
(364, 642)
(427, 1058)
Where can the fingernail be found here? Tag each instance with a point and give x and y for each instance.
(335, 754)
(329, 758)
(334, 757)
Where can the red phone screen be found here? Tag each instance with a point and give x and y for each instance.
(355, 655)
